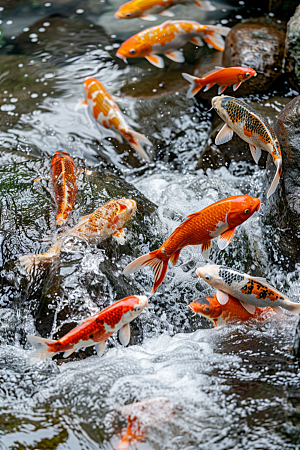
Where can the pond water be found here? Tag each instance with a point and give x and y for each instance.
(233, 387)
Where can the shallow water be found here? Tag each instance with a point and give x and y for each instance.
(233, 387)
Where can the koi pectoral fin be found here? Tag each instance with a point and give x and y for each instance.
(236, 86)
(221, 89)
(255, 152)
(278, 310)
(67, 353)
(205, 5)
(81, 105)
(205, 249)
(208, 86)
(224, 135)
(249, 308)
(100, 347)
(149, 17)
(124, 334)
(222, 297)
(118, 137)
(167, 13)
(197, 41)
(175, 56)
(119, 236)
(156, 60)
(225, 238)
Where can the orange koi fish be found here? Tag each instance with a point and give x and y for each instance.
(250, 126)
(250, 291)
(103, 222)
(94, 330)
(142, 415)
(63, 172)
(224, 77)
(233, 311)
(219, 219)
(168, 37)
(144, 8)
(108, 114)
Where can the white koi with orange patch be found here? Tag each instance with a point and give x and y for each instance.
(168, 37)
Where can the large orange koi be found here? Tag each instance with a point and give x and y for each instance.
(168, 37)
(219, 219)
(64, 185)
(94, 330)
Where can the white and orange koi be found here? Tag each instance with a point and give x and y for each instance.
(107, 113)
(168, 37)
(250, 126)
(93, 331)
(251, 291)
(105, 221)
(144, 9)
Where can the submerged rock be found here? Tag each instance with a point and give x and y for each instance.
(259, 46)
(292, 50)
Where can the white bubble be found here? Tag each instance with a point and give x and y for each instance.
(238, 17)
(42, 30)
(26, 29)
(7, 107)
(14, 100)
(49, 75)
(33, 35)
(1, 8)
(9, 22)
(34, 95)
(47, 5)
(79, 11)
(46, 24)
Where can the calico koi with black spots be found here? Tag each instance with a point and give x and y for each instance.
(252, 128)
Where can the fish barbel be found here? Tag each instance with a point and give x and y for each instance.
(94, 330)
(144, 9)
(107, 113)
(232, 311)
(64, 185)
(103, 222)
(224, 77)
(250, 126)
(250, 291)
(219, 219)
(168, 37)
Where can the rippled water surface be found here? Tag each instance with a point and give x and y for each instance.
(232, 387)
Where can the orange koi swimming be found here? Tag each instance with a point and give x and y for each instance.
(63, 172)
(251, 291)
(103, 222)
(144, 9)
(168, 37)
(224, 77)
(233, 311)
(94, 330)
(250, 126)
(108, 114)
(217, 220)
(142, 415)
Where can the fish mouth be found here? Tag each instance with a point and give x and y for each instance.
(258, 205)
(198, 272)
(118, 54)
(117, 16)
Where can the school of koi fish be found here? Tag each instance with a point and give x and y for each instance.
(239, 297)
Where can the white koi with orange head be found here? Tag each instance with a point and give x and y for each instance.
(107, 113)
(168, 37)
(144, 9)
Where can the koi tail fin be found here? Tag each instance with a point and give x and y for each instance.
(196, 84)
(36, 263)
(134, 138)
(214, 38)
(158, 266)
(276, 178)
(42, 349)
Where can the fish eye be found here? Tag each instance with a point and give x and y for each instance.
(206, 310)
(208, 277)
(247, 211)
(132, 51)
(247, 74)
(137, 308)
(128, 14)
